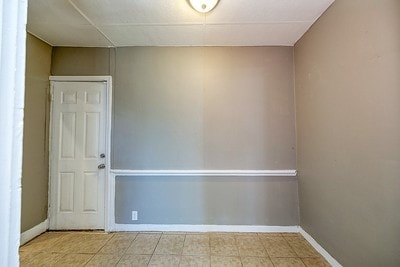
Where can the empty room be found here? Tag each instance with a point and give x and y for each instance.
(200, 133)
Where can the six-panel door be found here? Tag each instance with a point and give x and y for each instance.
(78, 139)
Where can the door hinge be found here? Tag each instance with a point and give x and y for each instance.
(51, 94)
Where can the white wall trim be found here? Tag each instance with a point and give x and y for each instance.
(107, 79)
(205, 228)
(320, 249)
(204, 172)
(35, 231)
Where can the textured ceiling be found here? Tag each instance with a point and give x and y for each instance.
(108, 23)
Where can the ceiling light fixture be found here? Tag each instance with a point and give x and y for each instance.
(203, 6)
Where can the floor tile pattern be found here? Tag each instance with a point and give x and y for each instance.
(170, 249)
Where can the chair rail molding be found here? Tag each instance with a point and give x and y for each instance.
(123, 172)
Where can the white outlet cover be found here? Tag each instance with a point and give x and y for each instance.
(134, 215)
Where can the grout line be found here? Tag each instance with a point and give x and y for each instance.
(90, 22)
(90, 259)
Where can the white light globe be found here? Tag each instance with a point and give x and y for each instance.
(203, 6)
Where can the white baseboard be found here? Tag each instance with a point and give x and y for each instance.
(34, 232)
(203, 228)
(320, 249)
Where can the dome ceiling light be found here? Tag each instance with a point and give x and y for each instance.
(203, 6)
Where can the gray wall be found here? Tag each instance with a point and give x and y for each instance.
(208, 200)
(348, 105)
(204, 108)
(35, 144)
(198, 108)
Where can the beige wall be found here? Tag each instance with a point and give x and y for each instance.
(35, 146)
(81, 61)
(348, 129)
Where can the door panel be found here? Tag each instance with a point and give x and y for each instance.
(90, 191)
(92, 129)
(67, 135)
(78, 139)
(66, 192)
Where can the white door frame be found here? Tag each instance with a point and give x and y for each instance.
(13, 15)
(107, 182)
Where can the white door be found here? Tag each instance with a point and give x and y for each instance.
(78, 151)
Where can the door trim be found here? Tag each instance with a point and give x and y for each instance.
(107, 191)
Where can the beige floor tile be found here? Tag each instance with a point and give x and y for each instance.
(256, 262)
(261, 235)
(134, 261)
(196, 249)
(220, 261)
(170, 245)
(248, 240)
(295, 238)
(198, 233)
(173, 238)
(303, 249)
(117, 244)
(291, 235)
(224, 250)
(104, 260)
(256, 251)
(315, 262)
(287, 262)
(199, 239)
(222, 234)
(115, 247)
(165, 260)
(174, 233)
(41, 259)
(249, 234)
(63, 243)
(74, 260)
(225, 234)
(280, 251)
(144, 244)
(78, 242)
(278, 247)
(43, 242)
(125, 235)
(272, 238)
(195, 261)
(26, 255)
(222, 239)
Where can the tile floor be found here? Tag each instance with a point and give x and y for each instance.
(169, 249)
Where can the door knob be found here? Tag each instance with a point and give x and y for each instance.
(102, 155)
(101, 166)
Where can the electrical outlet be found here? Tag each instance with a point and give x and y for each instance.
(134, 215)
